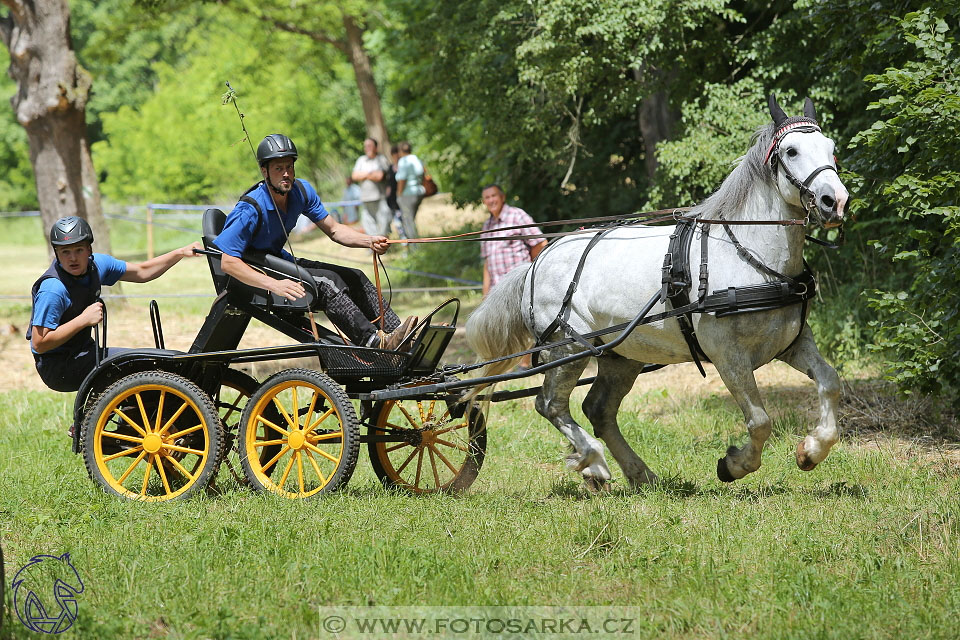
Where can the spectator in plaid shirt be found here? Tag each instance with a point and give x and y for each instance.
(501, 256)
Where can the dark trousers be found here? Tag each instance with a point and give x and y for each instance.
(350, 300)
(65, 370)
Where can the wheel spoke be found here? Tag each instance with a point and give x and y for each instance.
(179, 434)
(450, 428)
(173, 418)
(275, 458)
(321, 419)
(146, 475)
(163, 395)
(121, 436)
(127, 452)
(407, 461)
(397, 446)
(321, 452)
(300, 472)
(325, 436)
(163, 474)
(260, 418)
(174, 447)
(130, 422)
(410, 419)
(433, 406)
(296, 410)
(416, 482)
(433, 465)
(131, 467)
(316, 468)
(313, 404)
(143, 412)
(183, 472)
(283, 412)
(453, 445)
(286, 472)
(264, 443)
(434, 450)
(423, 417)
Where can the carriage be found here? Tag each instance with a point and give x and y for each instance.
(156, 424)
(738, 302)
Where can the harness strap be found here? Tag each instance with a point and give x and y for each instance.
(560, 322)
(752, 261)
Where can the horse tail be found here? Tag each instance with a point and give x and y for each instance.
(496, 328)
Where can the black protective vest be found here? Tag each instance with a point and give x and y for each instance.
(81, 296)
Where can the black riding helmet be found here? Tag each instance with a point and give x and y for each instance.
(70, 230)
(275, 145)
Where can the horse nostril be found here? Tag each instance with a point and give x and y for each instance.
(828, 202)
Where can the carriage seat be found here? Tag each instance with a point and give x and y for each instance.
(273, 266)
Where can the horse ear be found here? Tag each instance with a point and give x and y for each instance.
(775, 111)
(808, 109)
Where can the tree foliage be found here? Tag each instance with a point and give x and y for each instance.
(911, 166)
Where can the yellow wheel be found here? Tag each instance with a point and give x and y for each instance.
(308, 421)
(419, 446)
(152, 436)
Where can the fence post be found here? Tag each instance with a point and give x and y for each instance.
(149, 232)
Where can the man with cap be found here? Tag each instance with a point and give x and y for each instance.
(66, 301)
(263, 218)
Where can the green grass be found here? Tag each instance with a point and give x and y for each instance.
(866, 546)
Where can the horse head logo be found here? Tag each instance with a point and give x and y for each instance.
(47, 580)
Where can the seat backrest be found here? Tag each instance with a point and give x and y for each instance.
(274, 266)
(212, 222)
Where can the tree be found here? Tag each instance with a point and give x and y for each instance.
(52, 93)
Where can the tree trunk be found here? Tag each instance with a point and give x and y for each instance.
(656, 120)
(369, 97)
(50, 103)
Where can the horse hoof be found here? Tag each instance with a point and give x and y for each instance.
(803, 460)
(722, 472)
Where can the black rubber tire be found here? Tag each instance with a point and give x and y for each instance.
(192, 467)
(339, 440)
(454, 461)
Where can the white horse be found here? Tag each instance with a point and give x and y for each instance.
(789, 174)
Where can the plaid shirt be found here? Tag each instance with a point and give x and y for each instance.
(504, 255)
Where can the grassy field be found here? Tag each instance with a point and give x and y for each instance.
(865, 546)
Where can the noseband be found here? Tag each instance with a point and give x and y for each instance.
(807, 197)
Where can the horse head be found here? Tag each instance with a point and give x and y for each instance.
(804, 165)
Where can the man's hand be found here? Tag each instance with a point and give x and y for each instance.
(379, 244)
(188, 251)
(289, 289)
(92, 315)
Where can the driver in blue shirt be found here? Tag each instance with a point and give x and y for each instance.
(268, 211)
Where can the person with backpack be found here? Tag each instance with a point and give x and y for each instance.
(263, 218)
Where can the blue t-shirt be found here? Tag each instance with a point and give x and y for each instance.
(53, 299)
(242, 229)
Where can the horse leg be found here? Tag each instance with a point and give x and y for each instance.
(805, 357)
(743, 387)
(553, 403)
(615, 378)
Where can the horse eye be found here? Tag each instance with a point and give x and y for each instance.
(791, 152)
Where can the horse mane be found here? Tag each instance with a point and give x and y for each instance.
(730, 198)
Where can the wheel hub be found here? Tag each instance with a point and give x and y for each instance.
(296, 440)
(152, 443)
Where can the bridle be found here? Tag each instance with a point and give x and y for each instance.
(807, 197)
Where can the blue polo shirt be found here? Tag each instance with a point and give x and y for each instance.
(246, 229)
(52, 297)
